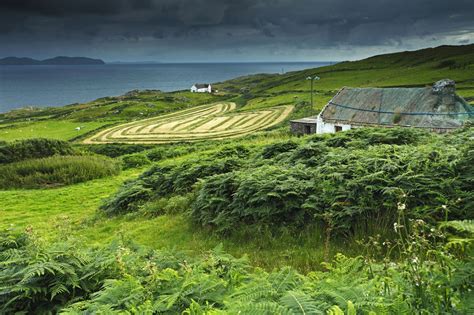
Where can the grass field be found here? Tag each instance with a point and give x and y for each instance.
(207, 122)
(54, 129)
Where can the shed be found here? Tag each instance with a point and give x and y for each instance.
(303, 126)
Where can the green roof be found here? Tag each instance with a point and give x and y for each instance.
(417, 107)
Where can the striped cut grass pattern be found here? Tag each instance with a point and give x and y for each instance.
(207, 122)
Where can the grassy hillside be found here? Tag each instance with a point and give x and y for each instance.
(406, 69)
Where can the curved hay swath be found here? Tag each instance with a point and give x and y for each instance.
(207, 122)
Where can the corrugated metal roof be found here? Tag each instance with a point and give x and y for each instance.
(307, 120)
(417, 107)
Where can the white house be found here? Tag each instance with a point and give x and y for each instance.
(201, 88)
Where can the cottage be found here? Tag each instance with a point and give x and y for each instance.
(437, 108)
(201, 88)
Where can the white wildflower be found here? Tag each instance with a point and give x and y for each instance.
(401, 206)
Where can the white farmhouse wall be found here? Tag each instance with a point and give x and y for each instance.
(194, 89)
(325, 127)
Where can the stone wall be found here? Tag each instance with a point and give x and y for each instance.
(301, 128)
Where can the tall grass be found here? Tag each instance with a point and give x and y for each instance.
(33, 149)
(55, 171)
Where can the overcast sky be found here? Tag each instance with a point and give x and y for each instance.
(230, 30)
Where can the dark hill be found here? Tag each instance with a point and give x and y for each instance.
(61, 60)
(18, 61)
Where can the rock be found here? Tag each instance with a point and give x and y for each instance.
(445, 86)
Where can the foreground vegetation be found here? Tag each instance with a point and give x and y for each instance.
(434, 275)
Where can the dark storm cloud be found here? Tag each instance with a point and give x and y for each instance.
(160, 27)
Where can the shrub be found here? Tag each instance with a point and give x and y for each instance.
(55, 171)
(399, 136)
(273, 150)
(128, 198)
(344, 189)
(267, 195)
(375, 136)
(115, 150)
(168, 205)
(161, 181)
(32, 149)
(239, 151)
(134, 161)
(310, 154)
(166, 152)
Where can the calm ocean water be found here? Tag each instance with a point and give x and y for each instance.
(60, 85)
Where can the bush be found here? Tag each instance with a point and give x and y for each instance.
(162, 181)
(345, 189)
(115, 150)
(134, 161)
(167, 152)
(273, 150)
(168, 205)
(238, 151)
(55, 171)
(375, 136)
(310, 154)
(129, 197)
(33, 149)
(267, 195)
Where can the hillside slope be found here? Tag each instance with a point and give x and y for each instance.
(404, 69)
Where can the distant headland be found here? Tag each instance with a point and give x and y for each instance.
(60, 60)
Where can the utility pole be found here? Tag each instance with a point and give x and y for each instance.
(312, 83)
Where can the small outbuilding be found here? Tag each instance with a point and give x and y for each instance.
(201, 88)
(437, 108)
(304, 126)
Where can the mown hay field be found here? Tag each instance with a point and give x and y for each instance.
(206, 122)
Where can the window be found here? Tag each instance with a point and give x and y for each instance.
(338, 128)
(307, 129)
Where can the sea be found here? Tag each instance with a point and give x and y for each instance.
(43, 86)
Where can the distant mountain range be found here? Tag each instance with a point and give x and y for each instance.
(61, 60)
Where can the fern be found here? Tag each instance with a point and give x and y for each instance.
(301, 303)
